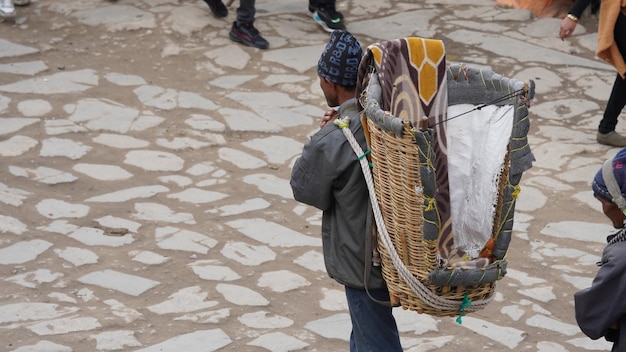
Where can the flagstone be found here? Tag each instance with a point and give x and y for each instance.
(246, 206)
(110, 279)
(230, 81)
(32, 311)
(578, 230)
(197, 196)
(59, 226)
(240, 159)
(115, 340)
(282, 281)
(53, 147)
(32, 279)
(10, 49)
(185, 300)
(201, 340)
(241, 295)
(336, 326)
(311, 260)
(10, 125)
(120, 141)
(270, 184)
(118, 309)
(272, 234)
(96, 237)
(17, 145)
(542, 294)
(11, 225)
(183, 240)
(44, 175)
(265, 320)
(333, 300)
(278, 342)
(124, 80)
(57, 83)
(62, 297)
(64, 326)
(153, 160)
(180, 181)
(289, 148)
(549, 323)
(160, 212)
(44, 346)
(117, 18)
(209, 270)
(12, 196)
(205, 122)
(103, 172)
(148, 258)
(24, 251)
(113, 222)
(208, 317)
(125, 195)
(77, 256)
(245, 121)
(62, 126)
(181, 143)
(505, 335)
(248, 254)
(34, 107)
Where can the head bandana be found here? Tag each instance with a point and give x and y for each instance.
(340, 60)
(599, 184)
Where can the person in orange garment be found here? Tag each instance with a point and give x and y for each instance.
(612, 49)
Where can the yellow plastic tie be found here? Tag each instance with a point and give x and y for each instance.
(342, 122)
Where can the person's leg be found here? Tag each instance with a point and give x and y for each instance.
(246, 11)
(374, 328)
(616, 102)
(7, 9)
(243, 30)
(217, 7)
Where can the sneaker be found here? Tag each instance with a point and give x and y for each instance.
(612, 138)
(21, 2)
(329, 18)
(217, 7)
(7, 9)
(246, 34)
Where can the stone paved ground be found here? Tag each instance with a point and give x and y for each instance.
(144, 166)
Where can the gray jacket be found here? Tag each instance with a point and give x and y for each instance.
(328, 176)
(603, 304)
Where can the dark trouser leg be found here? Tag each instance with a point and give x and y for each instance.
(318, 3)
(374, 328)
(246, 11)
(617, 99)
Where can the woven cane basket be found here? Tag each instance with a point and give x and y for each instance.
(405, 178)
(396, 173)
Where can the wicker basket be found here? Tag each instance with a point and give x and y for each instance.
(404, 177)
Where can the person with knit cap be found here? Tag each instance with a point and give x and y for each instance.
(601, 308)
(328, 176)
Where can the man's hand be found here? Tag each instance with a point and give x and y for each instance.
(329, 115)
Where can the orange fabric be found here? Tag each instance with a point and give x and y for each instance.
(607, 48)
(546, 8)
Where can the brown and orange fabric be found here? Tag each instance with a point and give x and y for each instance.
(607, 49)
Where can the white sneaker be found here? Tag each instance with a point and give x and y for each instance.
(6, 8)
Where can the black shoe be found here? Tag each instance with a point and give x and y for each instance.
(329, 18)
(217, 7)
(246, 34)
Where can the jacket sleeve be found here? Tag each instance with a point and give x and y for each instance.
(311, 182)
(602, 304)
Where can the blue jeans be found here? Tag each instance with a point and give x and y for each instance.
(374, 328)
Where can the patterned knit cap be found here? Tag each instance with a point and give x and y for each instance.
(619, 170)
(340, 60)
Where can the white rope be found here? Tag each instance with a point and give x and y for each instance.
(419, 289)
